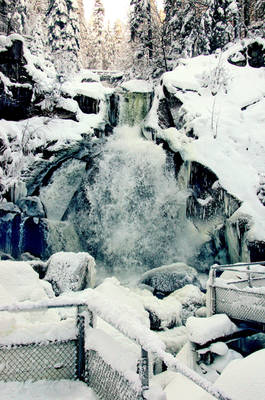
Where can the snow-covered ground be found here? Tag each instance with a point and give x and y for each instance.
(46, 390)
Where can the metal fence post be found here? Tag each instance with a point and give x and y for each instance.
(143, 370)
(211, 295)
(80, 368)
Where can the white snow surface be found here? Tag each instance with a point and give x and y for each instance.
(46, 390)
(224, 105)
(202, 330)
(19, 283)
(244, 379)
(137, 86)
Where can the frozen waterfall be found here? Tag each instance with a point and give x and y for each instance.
(137, 212)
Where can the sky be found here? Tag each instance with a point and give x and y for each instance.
(114, 9)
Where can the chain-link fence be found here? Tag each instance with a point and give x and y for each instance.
(240, 305)
(66, 360)
(107, 383)
(52, 361)
(241, 299)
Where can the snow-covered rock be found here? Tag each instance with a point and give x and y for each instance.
(203, 330)
(165, 313)
(68, 271)
(116, 294)
(168, 278)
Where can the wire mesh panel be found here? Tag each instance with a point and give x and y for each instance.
(52, 361)
(108, 383)
(241, 305)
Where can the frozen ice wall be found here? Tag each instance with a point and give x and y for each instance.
(137, 216)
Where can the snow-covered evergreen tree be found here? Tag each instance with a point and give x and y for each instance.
(220, 25)
(96, 40)
(15, 13)
(181, 29)
(144, 19)
(63, 34)
(108, 47)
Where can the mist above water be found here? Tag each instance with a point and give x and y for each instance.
(137, 218)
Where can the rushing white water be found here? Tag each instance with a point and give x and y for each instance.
(137, 214)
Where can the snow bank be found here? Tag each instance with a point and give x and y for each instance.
(244, 379)
(43, 390)
(137, 86)
(20, 283)
(223, 105)
(184, 388)
(95, 90)
(118, 295)
(202, 330)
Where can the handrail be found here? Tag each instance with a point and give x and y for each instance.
(236, 268)
(227, 266)
(142, 335)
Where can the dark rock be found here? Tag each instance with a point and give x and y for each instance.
(208, 199)
(114, 109)
(10, 219)
(168, 110)
(34, 237)
(64, 114)
(8, 207)
(40, 267)
(32, 206)
(253, 54)
(168, 278)
(87, 105)
(165, 118)
(4, 256)
(256, 250)
(12, 63)
(256, 55)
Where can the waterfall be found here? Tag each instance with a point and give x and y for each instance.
(136, 217)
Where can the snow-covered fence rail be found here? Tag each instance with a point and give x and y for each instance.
(99, 374)
(242, 298)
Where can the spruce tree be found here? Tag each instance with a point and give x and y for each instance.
(143, 17)
(15, 14)
(219, 24)
(63, 34)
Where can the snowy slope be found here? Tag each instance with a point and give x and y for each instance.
(223, 108)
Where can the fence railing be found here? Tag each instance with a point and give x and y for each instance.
(90, 367)
(242, 298)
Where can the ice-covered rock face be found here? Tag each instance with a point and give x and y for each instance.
(168, 278)
(135, 102)
(32, 206)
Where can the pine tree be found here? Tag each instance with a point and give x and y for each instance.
(220, 24)
(96, 40)
(144, 20)
(181, 29)
(63, 34)
(15, 15)
(108, 48)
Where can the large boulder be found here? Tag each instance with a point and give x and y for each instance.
(168, 278)
(69, 271)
